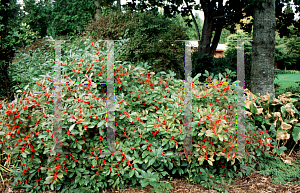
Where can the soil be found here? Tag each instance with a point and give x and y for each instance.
(254, 183)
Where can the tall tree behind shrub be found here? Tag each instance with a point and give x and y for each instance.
(38, 15)
(283, 49)
(58, 18)
(145, 30)
(12, 35)
(231, 53)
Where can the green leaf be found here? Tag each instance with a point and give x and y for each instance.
(78, 173)
(24, 154)
(131, 173)
(209, 162)
(169, 154)
(129, 158)
(49, 179)
(79, 146)
(100, 124)
(180, 171)
(220, 137)
(170, 165)
(134, 113)
(70, 99)
(145, 153)
(119, 157)
(80, 169)
(295, 133)
(77, 179)
(60, 176)
(85, 123)
(80, 142)
(164, 142)
(151, 162)
(27, 186)
(144, 183)
(174, 170)
(94, 162)
(26, 87)
(81, 182)
(72, 126)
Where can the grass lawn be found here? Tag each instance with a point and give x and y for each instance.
(285, 81)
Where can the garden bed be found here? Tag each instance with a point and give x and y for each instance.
(256, 182)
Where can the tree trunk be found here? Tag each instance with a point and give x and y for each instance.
(216, 40)
(204, 45)
(196, 25)
(98, 13)
(263, 49)
(119, 5)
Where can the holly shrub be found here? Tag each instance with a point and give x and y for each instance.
(149, 130)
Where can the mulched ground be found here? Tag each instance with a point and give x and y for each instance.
(254, 183)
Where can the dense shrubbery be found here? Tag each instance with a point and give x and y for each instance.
(14, 33)
(149, 114)
(211, 64)
(149, 127)
(286, 71)
(29, 64)
(58, 18)
(145, 30)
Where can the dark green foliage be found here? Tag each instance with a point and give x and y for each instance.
(211, 64)
(145, 30)
(12, 36)
(39, 15)
(231, 54)
(70, 16)
(59, 18)
(200, 64)
(292, 90)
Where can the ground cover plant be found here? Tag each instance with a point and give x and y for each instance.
(150, 154)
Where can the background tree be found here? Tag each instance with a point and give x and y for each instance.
(12, 36)
(289, 53)
(291, 42)
(38, 15)
(103, 3)
(284, 19)
(70, 16)
(58, 18)
(283, 53)
(119, 5)
(191, 32)
(263, 50)
(216, 17)
(145, 30)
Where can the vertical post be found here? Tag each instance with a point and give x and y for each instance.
(188, 99)
(240, 98)
(57, 128)
(57, 137)
(110, 97)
